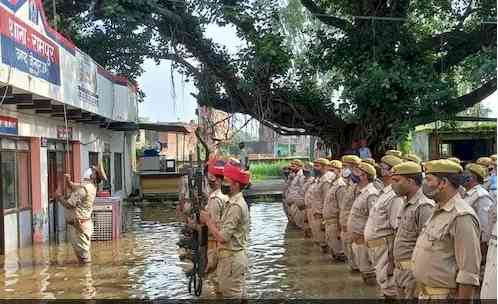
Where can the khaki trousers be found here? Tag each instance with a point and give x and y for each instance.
(347, 246)
(299, 218)
(380, 260)
(333, 240)
(361, 256)
(231, 272)
(81, 241)
(316, 229)
(405, 284)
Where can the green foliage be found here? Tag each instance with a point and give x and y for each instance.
(262, 170)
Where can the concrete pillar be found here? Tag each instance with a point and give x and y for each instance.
(76, 145)
(39, 214)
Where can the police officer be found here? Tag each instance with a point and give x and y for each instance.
(363, 175)
(215, 207)
(415, 211)
(307, 199)
(349, 162)
(79, 206)
(318, 190)
(488, 289)
(447, 254)
(294, 190)
(331, 212)
(379, 185)
(381, 227)
(492, 177)
(232, 234)
(485, 162)
(477, 197)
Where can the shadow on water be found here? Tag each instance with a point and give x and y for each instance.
(144, 264)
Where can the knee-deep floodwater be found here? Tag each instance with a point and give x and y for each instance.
(144, 264)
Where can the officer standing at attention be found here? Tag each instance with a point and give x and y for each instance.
(447, 254)
(381, 227)
(318, 190)
(294, 190)
(215, 207)
(310, 180)
(415, 211)
(232, 234)
(331, 213)
(349, 162)
(363, 176)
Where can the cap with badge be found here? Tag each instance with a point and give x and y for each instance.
(391, 160)
(351, 159)
(484, 161)
(370, 161)
(321, 161)
(412, 157)
(394, 153)
(407, 168)
(479, 170)
(368, 169)
(455, 160)
(297, 162)
(336, 164)
(442, 166)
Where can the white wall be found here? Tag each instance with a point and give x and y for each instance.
(420, 144)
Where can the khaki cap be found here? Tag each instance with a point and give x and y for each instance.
(367, 168)
(442, 166)
(484, 161)
(407, 168)
(336, 164)
(321, 161)
(493, 157)
(391, 160)
(394, 153)
(351, 159)
(297, 162)
(370, 161)
(412, 157)
(455, 160)
(477, 169)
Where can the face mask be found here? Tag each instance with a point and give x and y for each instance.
(398, 189)
(307, 173)
(346, 173)
(211, 185)
(317, 173)
(429, 191)
(225, 189)
(466, 177)
(355, 178)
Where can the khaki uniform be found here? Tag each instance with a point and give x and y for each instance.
(285, 194)
(307, 203)
(345, 204)
(232, 255)
(215, 206)
(331, 217)
(447, 252)
(379, 236)
(411, 219)
(317, 191)
(488, 290)
(295, 194)
(356, 224)
(379, 184)
(480, 200)
(78, 213)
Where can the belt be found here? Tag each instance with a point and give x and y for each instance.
(332, 221)
(404, 265)
(436, 291)
(78, 220)
(379, 242)
(223, 252)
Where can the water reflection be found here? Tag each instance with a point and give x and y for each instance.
(144, 264)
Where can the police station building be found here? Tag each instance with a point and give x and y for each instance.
(59, 113)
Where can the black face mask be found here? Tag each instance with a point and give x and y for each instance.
(211, 184)
(307, 173)
(225, 189)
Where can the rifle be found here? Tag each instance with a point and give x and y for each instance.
(199, 236)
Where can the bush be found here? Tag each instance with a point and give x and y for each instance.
(267, 170)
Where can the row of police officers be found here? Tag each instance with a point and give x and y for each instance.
(414, 229)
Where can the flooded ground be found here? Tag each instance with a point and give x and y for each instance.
(144, 264)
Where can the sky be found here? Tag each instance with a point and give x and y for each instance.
(164, 104)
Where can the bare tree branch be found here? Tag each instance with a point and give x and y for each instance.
(322, 15)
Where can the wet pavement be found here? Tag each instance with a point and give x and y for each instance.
(144, 264)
